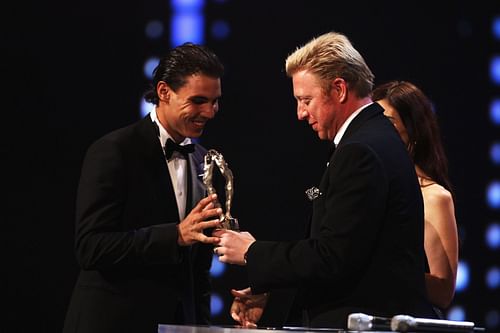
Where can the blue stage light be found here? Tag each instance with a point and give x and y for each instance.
(146, 108)
(218, 268)
(495, 69)
(154, 29)
(187, 27)
(187, 5)
(493, 278)
(496, 27)
(462, 281)
(493, 236)
(149, 66)
(220, 29)
(187, 22)
(456, 313)
(216, 304)
(493, 194)
(495, 153)
(495, 111)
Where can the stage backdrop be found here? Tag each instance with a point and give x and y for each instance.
(71, 77)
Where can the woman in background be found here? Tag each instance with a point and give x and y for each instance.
(412, 114)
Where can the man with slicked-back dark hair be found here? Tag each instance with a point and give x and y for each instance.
(141, 210)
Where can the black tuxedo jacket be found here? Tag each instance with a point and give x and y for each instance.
(134, 275)
(365, 249)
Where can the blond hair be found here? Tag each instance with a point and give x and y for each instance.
(330, 56)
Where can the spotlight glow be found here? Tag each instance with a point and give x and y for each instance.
(149, 66)
(146, 108)
(495, 111)
(187, 28)
(154, 29)
(493, 236)
(495, 70)
(187, 5)
(216, 304)
(218, 268)
(493, 195)
(462, 276)
(220, 29)
(493, 278)
(495, 27)
(456, 313)
(495, 153)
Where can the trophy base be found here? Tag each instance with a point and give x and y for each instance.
(230, 223)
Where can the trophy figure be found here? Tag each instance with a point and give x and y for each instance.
(227, 221)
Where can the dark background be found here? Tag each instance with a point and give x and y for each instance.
(72, 72)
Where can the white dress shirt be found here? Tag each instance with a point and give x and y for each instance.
(177, 168)
(344, 126)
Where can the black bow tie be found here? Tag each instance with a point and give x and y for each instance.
(171, 146)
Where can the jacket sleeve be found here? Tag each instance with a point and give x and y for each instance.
(202, 283)
(354, 191)
(103, 240)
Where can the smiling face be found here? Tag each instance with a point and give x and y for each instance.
(393, 115)
(184, 113)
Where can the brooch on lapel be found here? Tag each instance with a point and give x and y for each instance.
(313, 193)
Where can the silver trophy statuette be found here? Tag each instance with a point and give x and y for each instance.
(227, 221)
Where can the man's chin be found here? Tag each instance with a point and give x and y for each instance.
(194, 134)
(322, 136)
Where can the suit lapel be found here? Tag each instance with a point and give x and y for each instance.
(369, 112)
(196, 191)
(196, 187)
(157, 167)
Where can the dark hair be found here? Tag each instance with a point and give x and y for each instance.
(181, 62)
(424, 139)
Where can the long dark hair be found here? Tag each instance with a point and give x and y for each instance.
(424, 138)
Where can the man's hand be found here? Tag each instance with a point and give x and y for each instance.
(191, 228)
(232, 246)
(247, 308)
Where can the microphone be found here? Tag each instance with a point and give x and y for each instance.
(364, 322)
(404, 323)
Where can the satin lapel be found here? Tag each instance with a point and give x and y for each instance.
(369, 112)
(318, 207)
(157, 167)
(196, 191)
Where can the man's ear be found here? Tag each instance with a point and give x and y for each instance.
(340, 87)
(163, 91)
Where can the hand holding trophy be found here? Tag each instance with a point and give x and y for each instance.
(213, 156)
(234, 243)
